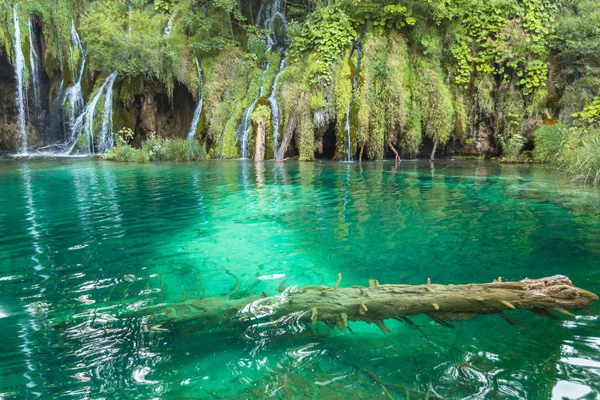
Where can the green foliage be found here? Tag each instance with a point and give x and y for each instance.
(181, 150)
(295, 97)
(384, 14)
(129, 43)
(434, 101)
(548, 141)
(163, 5)
(580, 156)
(156, 148)
(508, 39)
(373, 97)
(326, 32)
(343, 98)
(227, 83)
(125, 153)
(590, 114)
(511, 146)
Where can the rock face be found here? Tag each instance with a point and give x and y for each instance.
(8, 109)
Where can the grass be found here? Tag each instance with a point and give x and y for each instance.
(583, 162)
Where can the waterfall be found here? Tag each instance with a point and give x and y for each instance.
(275, 106)
(73, 95)
(357, 47)
(85, 121)
(167, 30)
(271, 14)
(33, 62)
(268, 15)
(198, 111)
(107, 139)
(130, 16)
(20, 72)
(244, 128)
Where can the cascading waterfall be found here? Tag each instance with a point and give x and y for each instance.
(130, 16)
(275, 106)
(74, 96)
(85, 122)
(198, 111)
(347, 127)
(274, 12)
(270, 14)
(33, 63)
(107, 139)
(244, 128)
(21, 73)
(167, 30)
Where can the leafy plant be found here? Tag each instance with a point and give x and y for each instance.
(548, 141)
(326, 32)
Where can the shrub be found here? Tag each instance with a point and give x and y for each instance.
(511, 146)
(156, 147)
(548, 142)
(185, 150)
(580, 156)
(126, 153)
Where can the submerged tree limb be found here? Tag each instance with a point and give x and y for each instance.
(335, 306)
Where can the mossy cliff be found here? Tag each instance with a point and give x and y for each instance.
(363, 79)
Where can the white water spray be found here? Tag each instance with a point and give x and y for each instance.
(347, 128)
(275, 106)
(74, 96)
(167, 30)
(33, 63)
(21, 73)
(85, 122)
(244, 128)
(198, 111)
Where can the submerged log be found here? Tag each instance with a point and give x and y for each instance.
(289, 130)
(335, 306)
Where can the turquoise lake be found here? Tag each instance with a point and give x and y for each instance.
(82, 242)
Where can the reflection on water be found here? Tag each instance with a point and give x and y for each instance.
(83, 243)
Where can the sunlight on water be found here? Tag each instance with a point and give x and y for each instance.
(85, 243)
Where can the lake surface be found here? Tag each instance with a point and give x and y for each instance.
(84, 241)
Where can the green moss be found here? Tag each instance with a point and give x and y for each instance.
(261, 111)
(129, 89)
(230, 138)
(343, 98)
(226, 85)
(274, 60)
(295, 97)
(434, 101)
(397, 104)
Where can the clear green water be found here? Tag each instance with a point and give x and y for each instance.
(82, 241)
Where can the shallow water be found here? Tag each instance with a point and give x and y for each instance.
(83, 241)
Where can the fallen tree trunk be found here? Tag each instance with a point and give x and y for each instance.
(336, 306)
